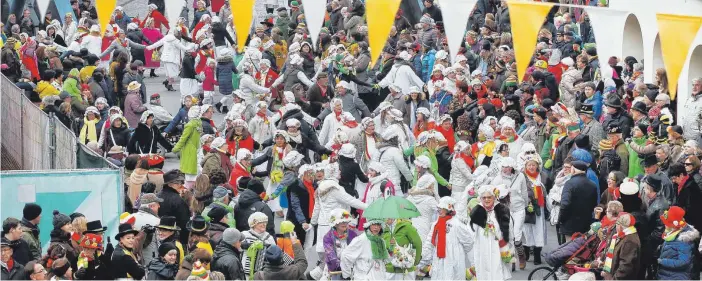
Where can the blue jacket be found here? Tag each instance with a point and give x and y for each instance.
(596, 101)
(676, 257)
(428, 65)
(225, 70)
(416, 63)
(182, 116)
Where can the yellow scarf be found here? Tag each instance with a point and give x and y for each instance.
(88, 130)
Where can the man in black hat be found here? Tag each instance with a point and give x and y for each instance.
(614, 134)
(651, 168)
(578, 199)
(639, 114)
(591, 127)
(616, 114)
(656, 205)
(31, 216)
(173, 204)
(124, 263)
(11, 269)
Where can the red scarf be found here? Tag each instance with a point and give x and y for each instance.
(616, 194)
(263, 116)
(682, 183)
(123, 43)
(10, 264)
(310, 193)
(338, 115)
(449, 135)
(351, 124)
(538, 192)
(438, 238)
(467, 159)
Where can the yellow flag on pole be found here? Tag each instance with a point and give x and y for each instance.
(242, 12)
(529, 17)
(380, 15)
(676, 33)
(104, 9)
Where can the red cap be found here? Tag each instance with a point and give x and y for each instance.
(154, 159)
(673, 217)
(496, 102)
(482, 101)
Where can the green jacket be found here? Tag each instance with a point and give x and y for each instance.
(235, 76)
(230, 213)
(188, 145)
(434, 166)
(635, 167)
(404, 234)
(32, 241)
(71, 86)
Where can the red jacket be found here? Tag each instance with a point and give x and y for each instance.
(209, 83)
(238, 172)
(159, 20)
(557, 71)
(204, 55)
(271, 76)
(234, 145)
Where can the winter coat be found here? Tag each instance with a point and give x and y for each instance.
(655, 226)
(295, 271)
(676, 258)
(329, 197)
(299, 197)
(62, 239)
(578, 199)
(125, 264)
(517, 185)
(392, 158)
(402, 75)
(249, 203)
(160, 270)
(691, 121)
(137, 36)
(316, 100)
(226, 259)
(350, 170)
(459, 241)
(225, 70)
(404, 234)
(621, 119)
(188, 145)
(567, 88)
(133, 108)
(626, 259)
(668, 191)
(145, 140)
(595, 131)
(14, 273)
(30, 235)
(357, 261)
(216, 230)
(216, 161)
(427, 65)
(429, 38)
(172, 49)
(460, 176)
(174, 205)
(149, 251)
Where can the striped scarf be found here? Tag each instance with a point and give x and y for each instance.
(613, 243)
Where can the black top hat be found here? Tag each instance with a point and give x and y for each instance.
(125, 229)
(655, 182)
(614, 102)
(168, 223)
(614, 129)
(198, 225)
(639, 106)
(586, 108)
(650, 160)
(173, 176)
(95, 227)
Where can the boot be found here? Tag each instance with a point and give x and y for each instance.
(520, 253)
(225, 110)
(165, 83)
(153, 74)
(527, 253)
(218, 106)
(169, 87)
(537, 255)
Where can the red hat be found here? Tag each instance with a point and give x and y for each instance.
(154, 159)
(673, 217)
(84, 87)
(91, 241)
(482, 101)
(496, 102)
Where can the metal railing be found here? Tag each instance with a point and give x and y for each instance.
(33, 140)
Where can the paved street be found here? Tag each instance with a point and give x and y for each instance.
(171, 101)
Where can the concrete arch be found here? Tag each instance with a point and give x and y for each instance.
(657, 54)
(694, 69)
(633, 44)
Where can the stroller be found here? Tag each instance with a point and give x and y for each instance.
(569, 258)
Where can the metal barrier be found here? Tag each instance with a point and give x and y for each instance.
(33, 140)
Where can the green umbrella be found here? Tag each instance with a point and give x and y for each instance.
(392, 207)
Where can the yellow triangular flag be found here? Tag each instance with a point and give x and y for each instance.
(242, 12)
(529, 17)
(104, 9)
(380, 15)
(676, 33)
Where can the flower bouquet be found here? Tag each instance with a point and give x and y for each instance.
(403, 257)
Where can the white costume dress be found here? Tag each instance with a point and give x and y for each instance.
(425, 197)
(535, 234)
(459, 179)
(328, 197)
(486, 255)
(459, 241)
(357, 261)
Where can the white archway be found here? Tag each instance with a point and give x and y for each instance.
(632, 44)
(694, 69)
(657, 54)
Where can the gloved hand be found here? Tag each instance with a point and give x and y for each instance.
(316, 123)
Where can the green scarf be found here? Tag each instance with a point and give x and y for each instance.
(378, 247)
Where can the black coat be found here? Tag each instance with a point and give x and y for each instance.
(621, 119)
(305, 127)
(316, 100)
(578, 199)
(188, 67)
(21, 252)
(96, 270)
(145, 140)
(300, 191)
(15, 273)
(479, 215)
(350, 170)
(174, 205)
(226, 260)
(693, 214)
(249, 203)
(125, 265)
(138, 37)
(59, 238)
(207, 127)
(306, 145)
(160, 270)
(219, 34)
(116, 136)
(443, 160)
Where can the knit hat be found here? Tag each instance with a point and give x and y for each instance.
(274, 255)
(256, 186)
(232, 235)
(31, 211)
(220, 192)
(216, 214)
(165, 248)
(200, 271)
(60, 220)
(257, 218)
(606, 144)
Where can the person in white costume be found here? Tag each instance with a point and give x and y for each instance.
(516, 183)
(460, 178)
(510, 137)
(382, 118)
(392, 158)
(490, 219)
(366, 256)
(528, 149)
(328, 197)
(425, 195)
(535, 223)
(331, 122)
(447, 244)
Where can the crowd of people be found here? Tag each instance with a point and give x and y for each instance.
(313, 134)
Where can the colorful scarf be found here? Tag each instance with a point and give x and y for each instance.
(378, 247)
(610, 251)
(538, 191)
(670, 234)
(438, 238)
(264, 117)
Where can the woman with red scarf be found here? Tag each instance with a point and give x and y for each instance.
(240, 137)
(451, 241)
(241, 168)
(535, 220)
(28, 55)
(611, 193)
(446, 129)
(424, 122)
(273, 158)
(157, 17)
(206, 52)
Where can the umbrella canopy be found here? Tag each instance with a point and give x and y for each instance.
(392, 207)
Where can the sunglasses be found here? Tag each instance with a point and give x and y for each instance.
(688, 164)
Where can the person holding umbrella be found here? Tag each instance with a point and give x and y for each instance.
(449, 241)
(402, 235)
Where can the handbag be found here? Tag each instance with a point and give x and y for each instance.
(156, 55)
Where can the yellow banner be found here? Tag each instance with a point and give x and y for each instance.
(380, 15)
(529, 17)
(104, 9)
(676, 33)
(242, 12)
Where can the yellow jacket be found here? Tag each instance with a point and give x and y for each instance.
(86, 72)
(45, 89)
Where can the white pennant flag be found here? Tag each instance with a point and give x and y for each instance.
(607, 27)
(173, 9)
(43, 6)
(314, 16)
(456, 14)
